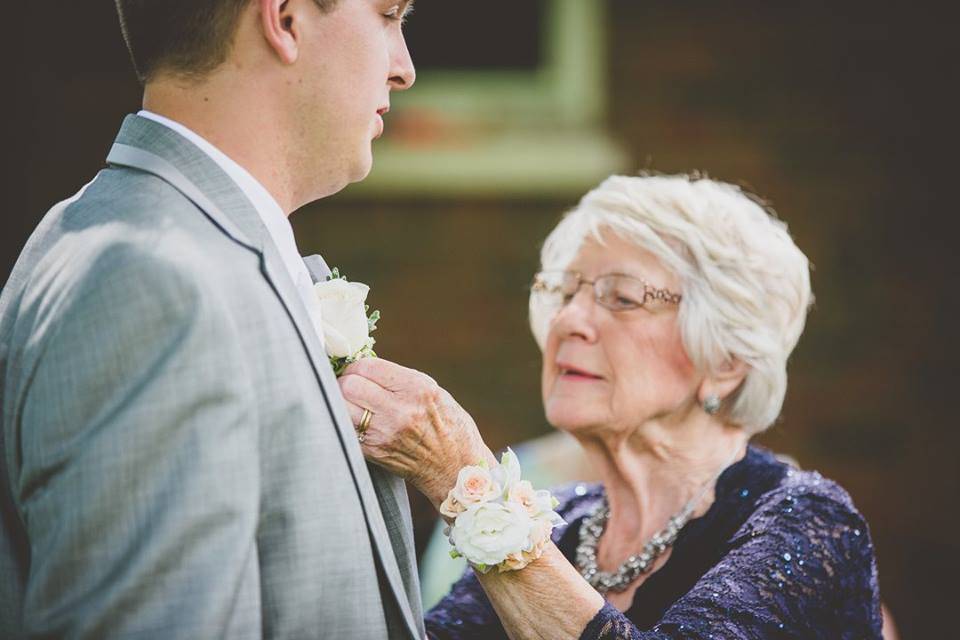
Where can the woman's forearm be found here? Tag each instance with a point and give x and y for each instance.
(546, 599)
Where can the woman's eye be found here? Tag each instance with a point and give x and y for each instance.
(621, 301)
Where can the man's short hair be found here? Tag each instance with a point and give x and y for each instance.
(184, 37)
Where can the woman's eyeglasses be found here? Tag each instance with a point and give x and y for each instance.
(613, 291)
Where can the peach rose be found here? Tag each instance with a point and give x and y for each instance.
(474, 486)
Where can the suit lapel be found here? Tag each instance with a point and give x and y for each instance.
(149, 146)
(383, 538)
(130, 156)
(317, 267)
(391, 493)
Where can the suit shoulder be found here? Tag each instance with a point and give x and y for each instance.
(115, 273)
(139, 203)
(125, 219)
(121, 279)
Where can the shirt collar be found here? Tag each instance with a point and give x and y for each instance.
(276, 222)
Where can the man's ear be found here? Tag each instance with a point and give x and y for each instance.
(724, 381)
(279, 21)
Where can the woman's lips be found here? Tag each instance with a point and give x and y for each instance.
(569, 372)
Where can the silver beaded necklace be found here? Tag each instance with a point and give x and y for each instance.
(636, 565)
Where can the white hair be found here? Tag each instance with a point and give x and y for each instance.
(745, 284)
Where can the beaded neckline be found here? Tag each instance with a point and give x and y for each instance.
(638, 564)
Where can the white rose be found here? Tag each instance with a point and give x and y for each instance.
(489, 532)
(507, 473)
(345, 328)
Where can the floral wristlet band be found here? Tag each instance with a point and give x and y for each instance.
(498, 519)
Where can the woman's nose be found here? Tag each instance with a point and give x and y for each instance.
(578, 316)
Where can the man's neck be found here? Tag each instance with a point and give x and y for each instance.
(247, 131)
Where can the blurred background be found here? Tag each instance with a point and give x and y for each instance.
(841, 113)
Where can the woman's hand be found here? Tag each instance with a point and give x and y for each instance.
(419, 432)
(416, 430)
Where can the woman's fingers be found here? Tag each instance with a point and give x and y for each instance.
(356, 413)
(362, 393)
(416, 430)
(388, 375)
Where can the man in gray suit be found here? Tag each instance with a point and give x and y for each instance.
(177, 460)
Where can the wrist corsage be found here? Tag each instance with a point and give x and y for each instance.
(499, 520)
(346, 325)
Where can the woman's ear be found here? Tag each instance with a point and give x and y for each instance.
(723, 381)
(280, 25)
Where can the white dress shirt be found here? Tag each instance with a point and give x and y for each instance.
(277, 224)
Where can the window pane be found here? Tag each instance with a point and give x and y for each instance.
(491, 35)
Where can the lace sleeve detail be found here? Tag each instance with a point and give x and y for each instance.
(463, 613)
(802, 566)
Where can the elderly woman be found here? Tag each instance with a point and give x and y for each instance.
(666, 310)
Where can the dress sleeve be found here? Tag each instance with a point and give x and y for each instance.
(801, 567)
(464, 613)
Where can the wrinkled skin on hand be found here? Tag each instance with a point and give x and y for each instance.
(417, 431)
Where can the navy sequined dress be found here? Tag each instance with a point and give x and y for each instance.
(781, 553)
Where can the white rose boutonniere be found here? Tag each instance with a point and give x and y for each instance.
(499, 520)
(346, 325)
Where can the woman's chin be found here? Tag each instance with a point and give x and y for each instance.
(571, 418)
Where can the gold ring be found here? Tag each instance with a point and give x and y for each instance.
(364, 424)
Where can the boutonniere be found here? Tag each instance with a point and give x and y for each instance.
(346, 323)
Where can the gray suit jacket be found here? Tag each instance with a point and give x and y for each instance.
(176, 460)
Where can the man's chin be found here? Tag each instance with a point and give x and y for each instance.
(362, 167)
(355, 172)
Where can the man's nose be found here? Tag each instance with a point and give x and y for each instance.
(403, 74)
